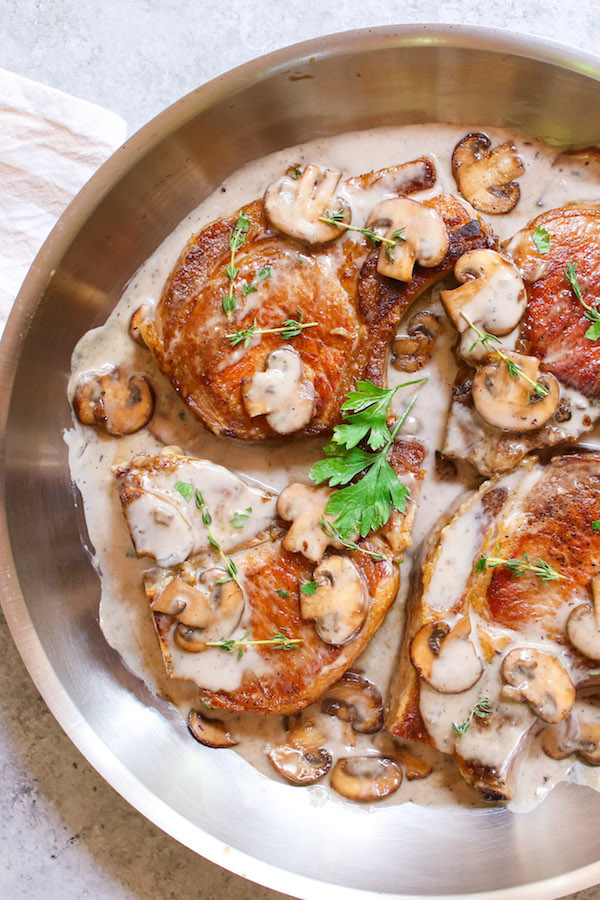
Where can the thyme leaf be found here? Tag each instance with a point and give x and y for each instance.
(337, 218)
(332, 531)
(289, 329)
(518, 567)
(280, 641)
(482, 709)
(237, 236)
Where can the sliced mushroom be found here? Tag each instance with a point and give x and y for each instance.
(509, 402)
(446, 658)
(356, 700)
(118, 403)
(210, 732)
(583, 625)
(420, 233)
(485, 176)
(492, 293)
(159, 528)
(304, 507)
(578, 734)
(412, 350)
(295, 205)
(283, 392)
(366, 778)
(538, 678)
(138, 317)
(340, 603)
(414, 767)
(302, 758)
(207, 611)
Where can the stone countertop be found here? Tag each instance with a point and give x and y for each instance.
(65, 833)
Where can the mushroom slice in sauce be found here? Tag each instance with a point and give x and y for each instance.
(578, 734)
(210, 732)
(583, 625)
(304, 506)
(340, 603)
(295, 206)
(283, 392)
(356, 700)
(509, 402)
(118, 403)
(492, 293)
(446, 658)
(485, 176)
(414, 767)
(420, 234)
(136, 321)
(538, 678)
(301, 757)
(366, 778)
(411, 351)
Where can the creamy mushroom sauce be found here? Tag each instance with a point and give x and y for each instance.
(124, 614)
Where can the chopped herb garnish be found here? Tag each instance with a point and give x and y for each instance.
(185, 489)
(596, 525)
(265, 272)
(518, 567)
(289, 329)
(237, 236)
(240, 519)
(590, 312)
(294, 172)
(309, 588)
(279, 641)
(514, 369)
(541, 239)
(283, 594)
(249, 289)
(332, 531)
(482, 709)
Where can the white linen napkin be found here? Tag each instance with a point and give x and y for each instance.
(50, 145)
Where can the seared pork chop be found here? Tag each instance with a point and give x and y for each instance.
(553, 330)
(351, 308)
(255, 589)
(542, 517)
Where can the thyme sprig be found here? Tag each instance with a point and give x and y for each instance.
(482, 709)
(514, 369)
(280, 641)
(237, 236)
(332, 531)
(337, 218)
(590, 312)
(289, 329)
(518, 567)
(187, 491)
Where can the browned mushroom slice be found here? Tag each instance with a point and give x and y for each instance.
(446, 658)
(485, 176)
(419, 233)
(414, 766)
(411, 351)
(506, 397)
(406, 178)
(302, 758)
(340, 604)
(578, 734)
(366, 778)
(583, 625)
(284, 392)
(210, 732)
(118, 403)
(304, 506)
(138, 317)
(295, 205)
(538, 678)
(356, 700)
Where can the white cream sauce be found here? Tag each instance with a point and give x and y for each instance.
(124, 614)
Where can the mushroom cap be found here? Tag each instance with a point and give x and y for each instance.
(304, 505)
(114, 401)
(508, 402)
(210, 732)
(541, 680)
(485, 176)
(366, 778)
(492, 293)
(424, 237)
(578, 734)
(294, 206)
(301, 758)
(412, 350)
(159, 528)
(340, 604)
(356, 700)
(446, 658)
(284, 392)
(583, 631)
(138, 317)
(209, 607)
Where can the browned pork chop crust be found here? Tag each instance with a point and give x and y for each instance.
(337, 286)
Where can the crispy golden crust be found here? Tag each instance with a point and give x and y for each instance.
(337, 286)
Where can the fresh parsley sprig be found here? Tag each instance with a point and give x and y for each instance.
(337, 218)
(279, 641)
(482, 709)
(289, 329)
(237, 236)
(514, 369)
(332, 531)
(590, 312)
(365, 412)
(187, 491)
(518, 567)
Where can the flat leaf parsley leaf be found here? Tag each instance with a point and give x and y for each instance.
(541, 239)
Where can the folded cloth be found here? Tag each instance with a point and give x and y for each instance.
(50, 145)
